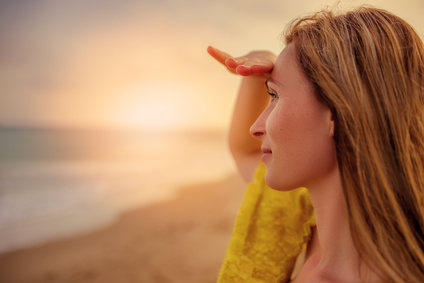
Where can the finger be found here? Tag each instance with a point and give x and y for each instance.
(231, 63)
(219, 55)
(262, 69)
(256, 65)
(243, 70)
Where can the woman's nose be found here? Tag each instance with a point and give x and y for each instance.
(257, 130)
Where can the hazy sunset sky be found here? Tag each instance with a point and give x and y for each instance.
(143, 64)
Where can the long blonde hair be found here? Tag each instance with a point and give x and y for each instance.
(367, 66)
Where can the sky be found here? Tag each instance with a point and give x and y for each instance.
(138, 64)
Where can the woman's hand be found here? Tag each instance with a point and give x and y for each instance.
(256, 63)
(252, 99)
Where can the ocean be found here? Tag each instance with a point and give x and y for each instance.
(60, 183)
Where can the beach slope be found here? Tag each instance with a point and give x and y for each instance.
(181, 240)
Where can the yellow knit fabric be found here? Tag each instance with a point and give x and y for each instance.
(270, 231)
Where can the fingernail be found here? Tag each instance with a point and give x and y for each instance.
(230, 59)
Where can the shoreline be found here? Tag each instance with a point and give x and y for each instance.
(180, 240)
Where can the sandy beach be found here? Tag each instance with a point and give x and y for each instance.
(180, 240)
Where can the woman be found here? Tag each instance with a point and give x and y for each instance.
(345, 120)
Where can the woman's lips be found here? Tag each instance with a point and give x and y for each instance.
(266, 152)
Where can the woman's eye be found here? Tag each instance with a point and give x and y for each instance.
(273, 96)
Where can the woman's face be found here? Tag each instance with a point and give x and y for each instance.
(295, 129)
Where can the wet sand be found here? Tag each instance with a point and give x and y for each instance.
(181, 240)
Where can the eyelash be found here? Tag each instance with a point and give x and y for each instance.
(273, 95)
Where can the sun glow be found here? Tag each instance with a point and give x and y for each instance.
(158, 106)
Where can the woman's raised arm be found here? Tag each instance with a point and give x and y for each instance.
(252, 99)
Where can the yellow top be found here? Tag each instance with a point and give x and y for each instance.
(270, 231)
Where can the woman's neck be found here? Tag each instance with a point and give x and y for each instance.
(337, 257)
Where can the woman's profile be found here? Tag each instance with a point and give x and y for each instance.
(337, 120)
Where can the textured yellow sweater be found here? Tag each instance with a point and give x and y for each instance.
(270, 231)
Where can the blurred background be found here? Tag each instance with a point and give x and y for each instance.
(108, 107)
